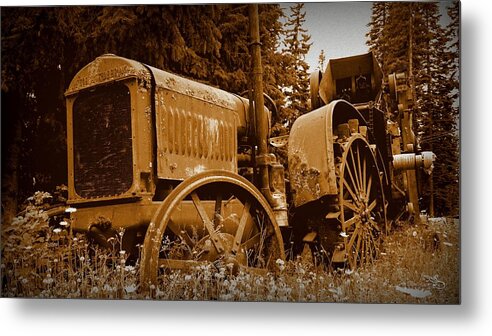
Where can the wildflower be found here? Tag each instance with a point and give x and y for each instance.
(82, 258)
(108, 288)
(70, 210)
(17, 220)
(130, 288)
(48, 280)
(226, 297)
(57, 230)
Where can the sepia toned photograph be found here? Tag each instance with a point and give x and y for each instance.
(283, 152)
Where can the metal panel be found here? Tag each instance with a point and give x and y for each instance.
(105, 69)
(311, 159)
(118, 147)
(193, 135)
(349, 69)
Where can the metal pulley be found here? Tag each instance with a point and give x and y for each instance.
(412, 161)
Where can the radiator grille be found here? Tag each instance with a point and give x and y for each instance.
(102, 139)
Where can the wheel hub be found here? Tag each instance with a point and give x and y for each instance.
(206, 251)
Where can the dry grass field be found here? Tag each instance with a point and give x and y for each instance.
(419, 264)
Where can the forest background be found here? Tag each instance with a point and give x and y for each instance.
(44, 47)
(472, 317)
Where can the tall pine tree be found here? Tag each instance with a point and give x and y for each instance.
(321, 60)
(207, 43)
(297, 44)
(408, 37)
(375, 36)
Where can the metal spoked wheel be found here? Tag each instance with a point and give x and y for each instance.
(214, 217)
(362, 214)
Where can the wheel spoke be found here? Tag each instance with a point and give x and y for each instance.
(361, 177)
(251, 241)
(183, 234)
(364, 176)
(351, 192)
(352, 239)
(372, 246)
(240, 228)
(350, 205)
(357, 250)
(350, 222)
(364, 249)
(372, 205)
(374, 224)
(347, 168)
(369, 184)
(355, 168)
(206, 222)
(218, 210)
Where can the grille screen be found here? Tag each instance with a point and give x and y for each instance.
(102, 139)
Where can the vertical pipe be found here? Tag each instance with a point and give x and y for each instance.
(261, 117)
(411, 174)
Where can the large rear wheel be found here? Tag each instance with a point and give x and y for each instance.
(215, 217)
(361, 204)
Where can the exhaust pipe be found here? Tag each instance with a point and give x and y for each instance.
(263, 159)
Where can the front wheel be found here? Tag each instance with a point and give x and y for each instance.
(214, 217)
(361, 204)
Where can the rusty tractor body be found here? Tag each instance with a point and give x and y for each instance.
(185, 169)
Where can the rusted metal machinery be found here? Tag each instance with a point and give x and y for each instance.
(369, 157)
(186, 170)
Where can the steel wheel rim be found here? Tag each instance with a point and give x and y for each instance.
(361, 201)
(268, 234)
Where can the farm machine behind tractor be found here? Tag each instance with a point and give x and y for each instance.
(186, 170)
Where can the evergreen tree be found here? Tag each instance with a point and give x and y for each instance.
(375, 36)
(43, 48)
(408, 37)
(297, 44)
(321, 60)
(453, 46)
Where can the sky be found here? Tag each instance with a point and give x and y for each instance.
(338, 28)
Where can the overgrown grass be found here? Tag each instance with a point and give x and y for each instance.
(418, 265)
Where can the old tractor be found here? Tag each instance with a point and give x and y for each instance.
(186, 169)
(354, 159)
